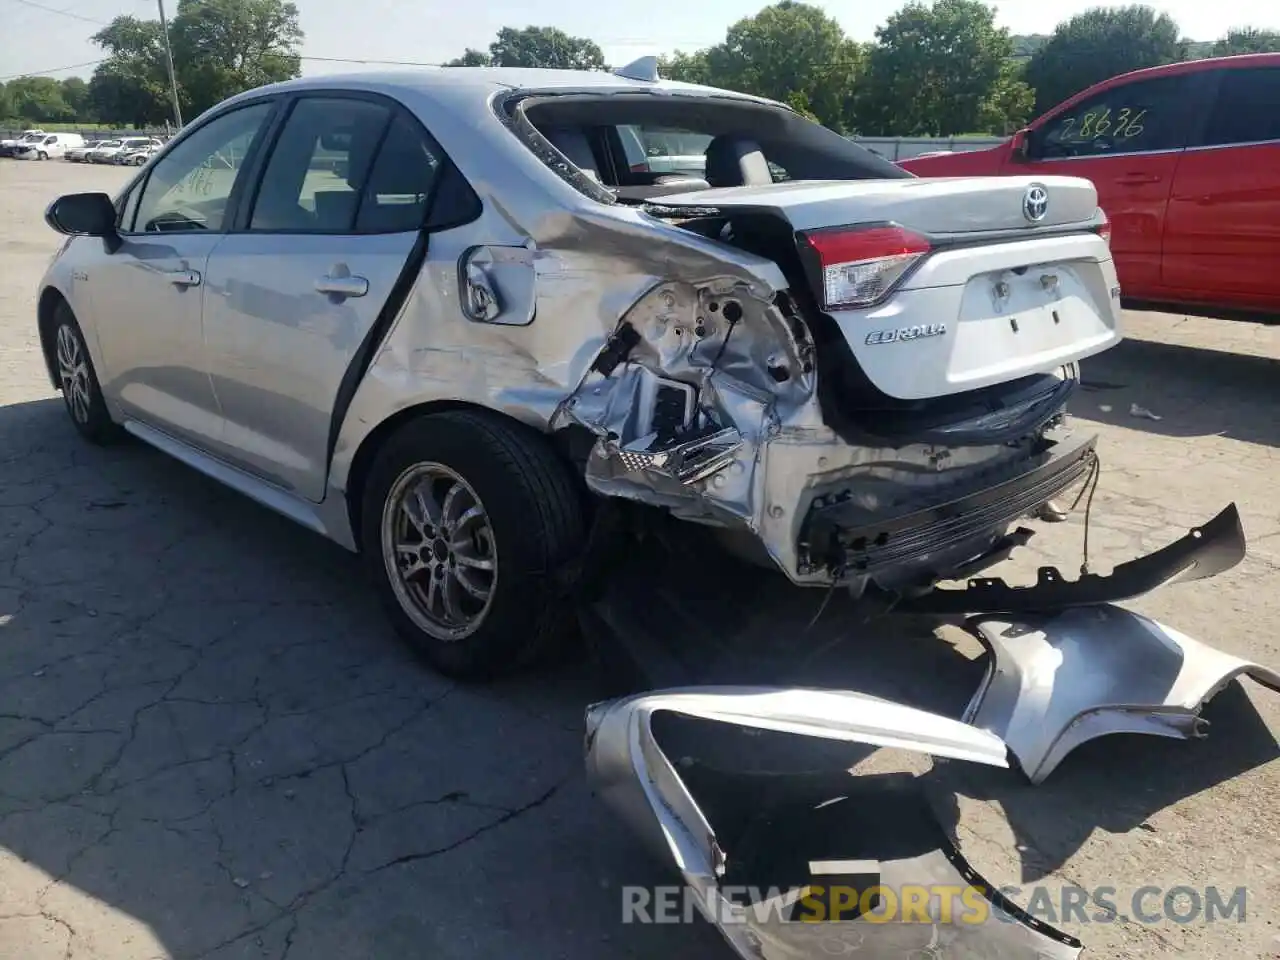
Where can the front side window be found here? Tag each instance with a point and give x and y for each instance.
(1248, 108)
(1130, 118)
(189, 189)
(318, 166)
(656, 149)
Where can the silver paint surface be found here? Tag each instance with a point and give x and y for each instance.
(631, 774)
(1093, 671)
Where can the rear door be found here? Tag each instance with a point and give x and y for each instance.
(293, 294)
(1222, 242)
(1126, 139)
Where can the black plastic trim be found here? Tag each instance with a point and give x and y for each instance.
(1204, 552)
(839, 534)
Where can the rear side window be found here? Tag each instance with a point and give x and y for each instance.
(1248, 108)
(312, 181)
(1131, 118)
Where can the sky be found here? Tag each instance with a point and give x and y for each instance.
(49, 35)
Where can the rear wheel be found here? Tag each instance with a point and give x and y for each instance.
(470, 526)
(41, 155)
(79, 381)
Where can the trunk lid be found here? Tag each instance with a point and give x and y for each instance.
(943, 286)
(936, 206)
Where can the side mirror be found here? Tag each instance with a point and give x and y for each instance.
(83, 215)
(1018, 146)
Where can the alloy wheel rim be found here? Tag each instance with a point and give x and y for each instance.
(439, 551)
(73, 373)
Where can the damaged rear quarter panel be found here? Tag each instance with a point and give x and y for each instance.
(591, 263)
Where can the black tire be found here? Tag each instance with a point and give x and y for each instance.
(533, 516)
(41, 155)
(88, 413)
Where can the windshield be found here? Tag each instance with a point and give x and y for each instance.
(637, 146)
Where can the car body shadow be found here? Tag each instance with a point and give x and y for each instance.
(1195, 391)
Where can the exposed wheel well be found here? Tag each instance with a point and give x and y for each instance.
(46, 312)
(370, 445)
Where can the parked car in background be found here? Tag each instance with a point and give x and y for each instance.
(1186, 162)
(136, 156)
(102, 145)
(76, 154)
(9, 147)
(108, 152)
(51, 147)
(441, 356)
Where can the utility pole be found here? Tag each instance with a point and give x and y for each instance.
(168, 56)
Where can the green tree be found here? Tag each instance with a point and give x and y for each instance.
(75, 92)
(935, 69)
(543, 47)
(1098, 44)
(6, 104)
(791, 52)
(1008, 107)
(38, 100)
(131, 85)
(1025, 44)
(685, 67)
(471, 58)
(1247, 40)
(222, 47)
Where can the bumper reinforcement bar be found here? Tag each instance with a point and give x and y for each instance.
(834, 532)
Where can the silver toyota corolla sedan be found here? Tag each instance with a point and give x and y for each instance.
(439, 317)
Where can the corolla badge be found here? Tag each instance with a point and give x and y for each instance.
(906, 333)
(1035, 203)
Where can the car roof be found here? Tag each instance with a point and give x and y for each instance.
(461, 83)
(1239, 61)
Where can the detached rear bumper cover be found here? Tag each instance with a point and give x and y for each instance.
(1093, 671)
(790, 835)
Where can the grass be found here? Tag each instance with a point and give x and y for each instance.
(73, 127)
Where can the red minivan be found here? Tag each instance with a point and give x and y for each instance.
(1186, 162)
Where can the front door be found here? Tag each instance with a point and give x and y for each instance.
(296, 290)
(147, 296)
(1126, 139)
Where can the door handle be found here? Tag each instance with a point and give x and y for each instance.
(348, 286)
(183, 278)
(1136, 179)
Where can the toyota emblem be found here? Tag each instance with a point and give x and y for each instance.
(1035, 203)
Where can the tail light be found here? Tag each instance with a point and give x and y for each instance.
(1104, 231)
(862, 265)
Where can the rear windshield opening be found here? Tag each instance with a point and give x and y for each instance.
(641, 146)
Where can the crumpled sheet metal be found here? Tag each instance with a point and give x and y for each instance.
(755, 377)
(889, 830)
(1056, 683)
